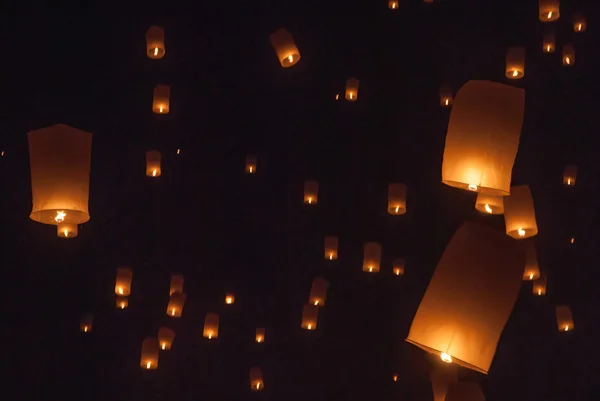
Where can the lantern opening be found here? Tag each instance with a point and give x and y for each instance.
(521, 232)
(446, 358)
(488, 208)
(472, 187)
(60, 216)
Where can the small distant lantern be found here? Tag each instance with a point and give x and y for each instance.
(176, 304)
(318, 292)
(123, 282)
(489, 204)
(211, 326)
(67, 230)
(260, 335)
(160, 103)
(572, 240)
(150, 350)
(570, 175)
(155, 42)
(251, 164)
(549, 42)
(310, 315)
(86, 324)
(256, 379)
(372, 257)
(568, 56)
(153, 164)
(122, 302)
(397, 199)
(519, 213)
(176, 284)
(579, 23)
(549, 10)
(395, 378)
(352, 89)
(564, 318)
(166, 336)
(229, 298)
(286, 49)
(532, 269)
(539, 286)
(398, 267)
(446, 96)
(393, 4)
(331, 248)
(515, 62)
(311, 192)
(464, 391)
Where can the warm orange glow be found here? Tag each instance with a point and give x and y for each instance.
(489, 204)
(549, 15)
(229, 299)
(372, 257)
(285, 48)
(488, 208)
(166, 336)
(309, 326)
(156, 51)
(178, 151)
(395, 378)
(176, 304)
(251, 169)
(153, 164)
(515, 62)
(155, 43)
(85, 329)
(564, 318)
(331, 247)
(331, 256)
(548, 48)
(60, 216)
(310, 315)
(211, 326)
(337, 97)
(173, 311)
(122, 305)
(446, 358)
(311, 192)
(154, 172)
(521, 232)
(397, 199)
(568, 54)
(123, 281)
(572, 240)
(567, 60)
(161, 99)
(447, 102)
(352, 89)
(122, 302)
(150, 351)
(472, 187)
(120, 290)
(260, 335)
(163, 346)
(397, 271)
(519, 213)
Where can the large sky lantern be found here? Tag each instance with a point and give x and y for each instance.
(318, 291)
(549, 10)
(310, 315)
(153, 164)
(532, 268)
(548, 42)
(286, 49)
(59, 159)
(568, 55)
(176, 284)
(398, 266)
(515, 62)
(539, 285)
(372, 257)
(256, 379)
(311, 192)
(86, 323)
(67, 230)
(123, 281)
(446, 96)
(122, 302)
(352, 89)
(331, 247)
(519, 213)
(396, 199)
(483, 137)
(570, 176)
(251, 162)
(259, 336)
(176, 304)
(441, 378)
(166, 336)
(393, 4)
(155, 42)
(161, 99)
(564, 318)
(489, 204)
(211, 326)
(469, 298)
(579, 23)
(464, 391)
(150, 351)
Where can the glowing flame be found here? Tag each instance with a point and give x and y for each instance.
(85, 329)
(259, 339)
(395, 378)
(210, 335)
(122, 305)
(521, 232)
(60, 217)
(291, 58)
(446, 358)
(539, 292)
(579, 27)
(120, 290)
(531, 276)
(228, 300)
(370, 268)
(156, 51)
(316, 302)
(337, 96)
(515, 73)
(567, 327)
(2, 154)
(163, 345)
(173, 312)
(488, 208)
(178, 151)
(548, 48)
(331, 256)
(257, 386)
(397, 209)
(397, 271)
(472, 187)
(567, 60)
(148, 365)
(393, 5)
(251, 169)
(351, 95)
(310, 326)
(154, 172)
(309, 200)
(160, 109)
(66, 233)
(550, 15)
(572, 240)
(447, 102)
(568, 181)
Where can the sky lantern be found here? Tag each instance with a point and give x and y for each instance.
(166, 336)
(153, 164)
(372, 257)
(331, 247)
(549, 10)
(579, 23)
(519, 213)
(464, 391)
(564, 318)
(397, 199)
(548, 42)
(532, 269)
(229, 298)
(393, 4)
(441, 378)
(446, 96)
(483, 137)
(155, 42)
(286, 49)
(570, 175)
(176, 304)
(251, 164)
(398, 267)
(67, 230)
(211, 326)
(122, 302)
(489, 204)
(568, 56)
(311, 192)
(86, 323)
(539, 286)
(176, 284)
(149, 357)
(515, 62)
(469, 298)
(256, 379)
(318, 291)
(123, 281)
(160, 102)
(59, 159)
(310, 315)
(352, 89)
(260, 335)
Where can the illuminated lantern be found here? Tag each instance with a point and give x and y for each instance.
(166, 336)
(489, 204)
(579, 24)
(483, 137)
(397, 199)
(570, 175)
(311, 192)
(67, 230)
(122, 302)
(548, 42)
(445, 96)
(331, 248)
(59, 159)
(260, 335)
(441, 378)
(229, 299)
(150, 350)
(519, 213)
(176, 284)
(286, 49)
(532, 269)
(398, 267)
(250, 164)
(352, 89)
(515, 62)
(211, 326)
(372, 257)
(469, 298)
(568, 56)
(393, 4)
(564, 318)
(549, 10)
(464, 391)
(318, 292)
(160, 103)
(123, 281)
(539, 286)
(395, 378)
(86, 324)
(256, 379)
(176, 304)
(153, 164)
(310, 314)
(155, 42)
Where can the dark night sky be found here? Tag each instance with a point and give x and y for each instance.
(252, 235)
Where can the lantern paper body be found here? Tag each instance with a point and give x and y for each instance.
(150, 350)
(160, 102)
(372, 257)
(260, 335)
(519, 213)
(570, 175)
(59, 158)
(153, 164)
(564, 318)
(166, 336)
(549, 43)
(549, 10)
(251, 164)
(397, 199)
(398, 267)
(86, 324)
(123, 281)
(311, 192)
(176, 304)
(310, 315)
(515, 63)
(579, 23)
(464, 391)
(211, 326)
(539, 286)
(286, 49)
(67, 230)
(176, 284)
(155, 42)
(352, 89)
(568, 56)
(441, 378)
(318, 292)
(532, 269)
(470, 297)
(393, 4)
(122, 302)
(489, 204)
(483, 137)
(331, 248)
(229, 299)
(446, 96)
(256, 379)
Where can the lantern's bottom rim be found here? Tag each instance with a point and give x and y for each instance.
(454, 359)
(47, 216)
(496, 210)
(480, 189)
(529, 232)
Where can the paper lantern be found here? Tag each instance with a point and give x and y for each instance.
(331, 248)
(176, 284)
(86, 324)
(155, 43)
(397, 199)
(250, 164)
(229, 298)
(568, 56)
(441, 378)
(469, 298)
(519, 213)
(464, 391)
(564, 318)
(256, 379)
(483, 137)
(286, 49)
(515, 62)
(59, 159)
(549, 10)
(489, 204)
(372, 257)
(176, 304)
(211, 326)
(122, 302)
(570, 175)
(153, 164)
(579, 23)
(352, 89)
(318, 292)
(66, 230)
(548, 42)
(393, 4)
(310, 314)
(123, 281)
(539, 286)
(150, 350)
(166, 336)
(311, 192)
(446, 96)
(532, 269)
(260, 335)
(398, 267)
(395, 378)
(160, 102)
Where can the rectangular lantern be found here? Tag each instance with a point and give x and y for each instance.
(469, 298)
(539, 286)
(570, 175)
(579, 23)
(446, 96)
(229, 299)
(285, 48)
(166, 336)
(310, 315)
(176, 284)
(155, 42)
(153, 164)
(568, 56)
(318, 292)
(489, 204)
(176, 304)
(251, 164)
(67, 230)
(211, 326)
(519, 213)
(397, 199)
(352, 89)
(260, 335)
(515, 62)
(123, 281)
(393, 4)
(532, 269)
(161, 100)
(398, 267)
(311, 192)
(464, 391)
(331, 248)
(476, 162)
(564, 318)
(150, 350)
(372, 257)
(549, 10)
(549, 42)
(441, 377)
(85, 325)
(256, 379)
(122, 302)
